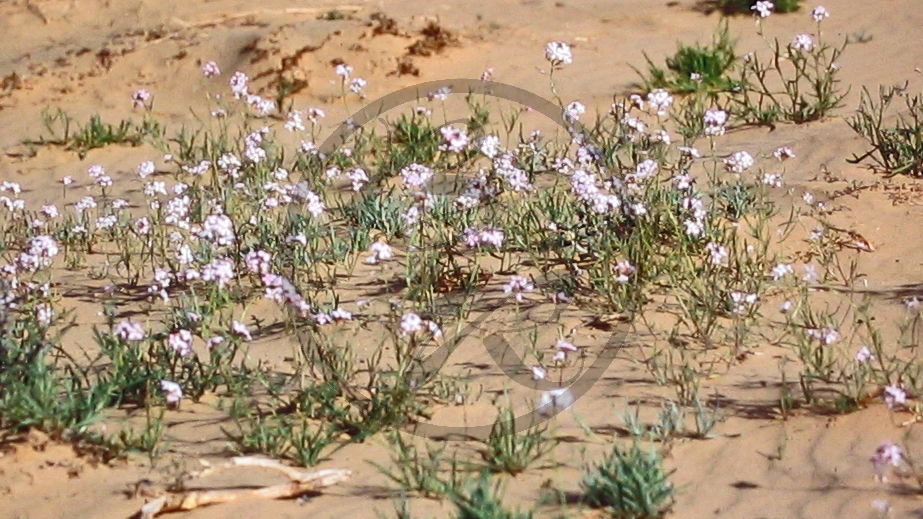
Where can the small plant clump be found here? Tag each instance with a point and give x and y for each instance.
(697, 68)
(480, 499)
(895, 148)
(629, 484)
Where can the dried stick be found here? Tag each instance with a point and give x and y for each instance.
(302, 482)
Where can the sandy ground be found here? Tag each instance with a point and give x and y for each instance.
(89, 56)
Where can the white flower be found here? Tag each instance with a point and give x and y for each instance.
(819, 13)
(719, 253)
(694, 228)
(558, 53)
(738, 162)
(440, 94)
(660, 101)
(219, 229)
(689, 152)
(539, 373)
(210, 69)
(381, 251)
(51, 211)
(565, 345)
(339, 314)
(895, 396)
(762, 8)
(715, 120)
(415, 176)
(411, 323)
(294, 122)
(44, 313)
(490, 146)
(574, 110)
(803, 42)
(238, 83)
(357, 84)
(258, 261)
(784, 153)
(827, 336)
(219, 271)
(517, 286)
(454, 139)
(781, 270)
(180, 342)
(555, 399)
(343, 70)
(661, 136)
(742, 301)
(241, 329)
(87, 202)
(16, 188)
(887, 454)
(772, 180)
(624, 269)
(140, 98)
(864, 355)
(810, 274)
(130, 331)
(358, 177)
(172, 391)
(263, 106)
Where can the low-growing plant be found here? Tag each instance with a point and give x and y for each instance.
(302, 440)
(508, 450)
(895, 148)
(798, 82)
(696, 67)
(629, 484)
(481, 499)
(429, 473)
(95, 133)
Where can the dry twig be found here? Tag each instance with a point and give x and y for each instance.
(301, 483)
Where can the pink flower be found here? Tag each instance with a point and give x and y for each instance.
(140, 98)
(819, 13)
(130, 331)
(555, 399)
(518, 285)
(763, 8)
(210, 69)
(180, 342)
(565, 345)
(887, 454)
(172, 391)
(803, 42)
(895, 396)
(241, 329)
(411, 323)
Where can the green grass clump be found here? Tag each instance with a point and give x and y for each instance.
(629, 484)
(696, 67)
